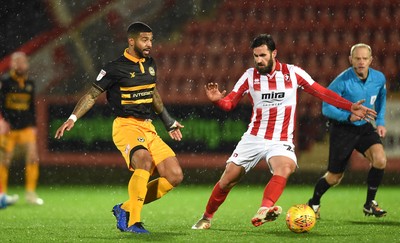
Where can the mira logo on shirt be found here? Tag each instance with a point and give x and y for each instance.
(273, 96)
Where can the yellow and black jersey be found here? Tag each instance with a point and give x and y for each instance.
(129, 83)
(17, 97)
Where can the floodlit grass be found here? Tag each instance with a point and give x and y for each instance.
(83, 214)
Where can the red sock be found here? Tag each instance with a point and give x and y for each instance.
(217, 197)
(273, 190)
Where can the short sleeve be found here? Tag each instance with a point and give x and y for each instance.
(104, 78)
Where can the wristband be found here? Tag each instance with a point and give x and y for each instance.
(73, 117)
(168, 121)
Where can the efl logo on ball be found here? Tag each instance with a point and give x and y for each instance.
(300, 218)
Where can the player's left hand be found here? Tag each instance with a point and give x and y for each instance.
(381, 130)
(175, 133)
(362, 112)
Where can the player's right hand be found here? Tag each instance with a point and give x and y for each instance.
(213, 92)
(68, 125)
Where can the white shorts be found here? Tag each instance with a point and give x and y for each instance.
(251, 149)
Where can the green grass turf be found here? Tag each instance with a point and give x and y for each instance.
(82, 214)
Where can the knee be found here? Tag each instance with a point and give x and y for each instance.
(285, 171)
(5, 160)
(32, 158)
(231, 176)
(176, 177)
(379, 162)
(290, 170)
(226, 185)
(333, 179)
(141, 159)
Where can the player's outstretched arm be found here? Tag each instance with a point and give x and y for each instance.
(362, 112)
(84, 105)
(219, 99)
(173, 127)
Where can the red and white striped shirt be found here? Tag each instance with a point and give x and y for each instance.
(274, 98)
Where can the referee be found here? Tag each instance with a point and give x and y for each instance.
(348, 132)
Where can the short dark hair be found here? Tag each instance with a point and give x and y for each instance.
(136, 28)
(264, 39)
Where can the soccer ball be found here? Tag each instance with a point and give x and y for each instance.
(300, 218)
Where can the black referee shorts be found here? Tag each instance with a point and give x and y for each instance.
(344, 138)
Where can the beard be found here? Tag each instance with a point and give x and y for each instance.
(139, 52)
(265, 69)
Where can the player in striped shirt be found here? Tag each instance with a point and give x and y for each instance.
(130, 85)
(17, 109)
(272, 89)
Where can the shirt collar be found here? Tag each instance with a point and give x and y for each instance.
(19, 79)
(135, 59)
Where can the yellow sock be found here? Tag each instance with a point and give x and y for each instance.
(137, 189)
(31, 176)
(4, 177)
(156, 189)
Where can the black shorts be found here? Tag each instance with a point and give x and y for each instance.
(344, 138)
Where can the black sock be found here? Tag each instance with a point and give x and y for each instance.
(373, 181)
(320, 188)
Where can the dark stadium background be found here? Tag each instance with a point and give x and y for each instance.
(196, 42)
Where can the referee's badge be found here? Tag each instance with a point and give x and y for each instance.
(151, 71)
(373, 99)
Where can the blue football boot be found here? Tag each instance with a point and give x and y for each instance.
(121, 216)
(3, 203)
(137, 228)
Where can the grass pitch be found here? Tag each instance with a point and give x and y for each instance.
(83, 214)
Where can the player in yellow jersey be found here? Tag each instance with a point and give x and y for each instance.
(17, 107)
(130, 84)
